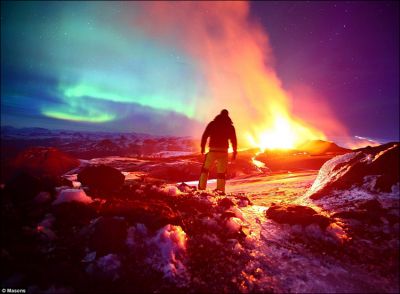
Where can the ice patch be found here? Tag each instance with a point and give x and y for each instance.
(72, 195)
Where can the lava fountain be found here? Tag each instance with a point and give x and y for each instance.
(283, 133)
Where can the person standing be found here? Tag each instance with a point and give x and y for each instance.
(220, 131)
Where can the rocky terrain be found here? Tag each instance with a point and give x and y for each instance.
(138, 224)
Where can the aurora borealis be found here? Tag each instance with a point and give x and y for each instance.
(65, 61)
(168, 68)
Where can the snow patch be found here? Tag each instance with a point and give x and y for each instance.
(345, 200)
(331, 171)
(72, 195)
(170, 253)
(107, 266)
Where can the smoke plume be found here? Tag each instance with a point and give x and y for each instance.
(235, 58)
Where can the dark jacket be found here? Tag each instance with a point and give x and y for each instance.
(220, 131)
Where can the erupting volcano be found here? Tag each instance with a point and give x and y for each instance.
(236, 60)
(199, 147)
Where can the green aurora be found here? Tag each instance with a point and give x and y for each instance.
(90, 53)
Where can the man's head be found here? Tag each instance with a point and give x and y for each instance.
(224, 112)
(223, 117)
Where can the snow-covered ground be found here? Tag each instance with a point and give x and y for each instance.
(165, 236)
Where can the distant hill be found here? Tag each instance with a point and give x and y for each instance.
(44, 161)
(321, 147)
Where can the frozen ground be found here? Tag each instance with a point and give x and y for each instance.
(285, 258)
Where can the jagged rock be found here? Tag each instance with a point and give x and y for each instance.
(102, 177)
(296, 214)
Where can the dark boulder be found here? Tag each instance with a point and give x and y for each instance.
(103, 178)
(296, 214)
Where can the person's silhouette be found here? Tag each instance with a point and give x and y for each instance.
(220, 131)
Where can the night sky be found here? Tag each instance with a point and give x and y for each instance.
(129, 67)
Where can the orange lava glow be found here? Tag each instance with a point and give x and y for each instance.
(282, 133)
